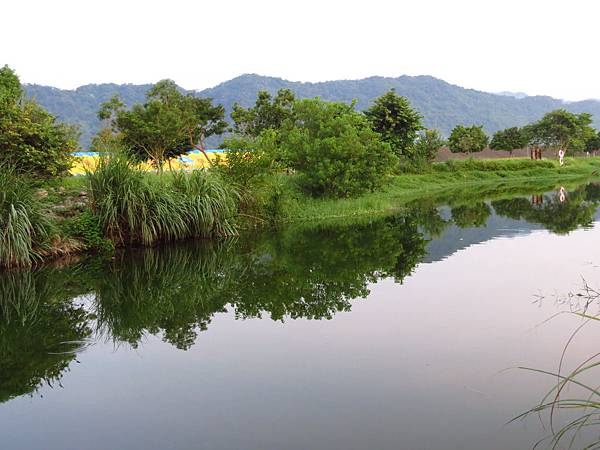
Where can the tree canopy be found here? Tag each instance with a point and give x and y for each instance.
(509, 139)
(427, 145)
(593, 143)
(267, 113)
(467, 139)
(396, 121)
(561, 129)
(167, 125)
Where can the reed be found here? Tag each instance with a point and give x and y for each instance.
(134, 207)
(24, 229)
(572, 406)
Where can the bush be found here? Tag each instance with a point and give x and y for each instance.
(134, 207)
(248, 159)
(334, 150)
(86, 227)
(24, 229)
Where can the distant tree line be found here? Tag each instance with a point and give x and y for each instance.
(557, 130)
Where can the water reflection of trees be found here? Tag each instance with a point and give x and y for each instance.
(471, 215)
(301, 273)
(174, 291)
(556, 216)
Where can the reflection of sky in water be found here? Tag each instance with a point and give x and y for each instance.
(417, 365)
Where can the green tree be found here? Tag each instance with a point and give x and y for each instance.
(396, 121)
(334, 150)
(467, 139)
(267, 114)
(561, 129)
(31, 139)
(427, 144)
(509, 139)
(106, 142)
(167, 125)
(593, 143)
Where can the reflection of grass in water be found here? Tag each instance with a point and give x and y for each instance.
(584, 407)
(298, 273)
(173, 289)
(40, 329)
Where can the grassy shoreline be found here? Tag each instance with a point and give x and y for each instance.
(445, 186)
(65, 203)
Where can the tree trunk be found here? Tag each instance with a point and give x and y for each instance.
(200, 146)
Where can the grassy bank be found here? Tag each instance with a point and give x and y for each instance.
(119, 206)
(447, 182)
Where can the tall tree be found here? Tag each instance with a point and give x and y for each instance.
(396, 121)
(467, 139)
(561, 129)
(267, 113)
(168, 125)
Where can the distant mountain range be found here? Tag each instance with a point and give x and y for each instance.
(442, 105)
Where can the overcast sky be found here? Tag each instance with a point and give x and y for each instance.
(538, 47)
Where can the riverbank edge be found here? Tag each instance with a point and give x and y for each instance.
(441, 185)
(449, 187)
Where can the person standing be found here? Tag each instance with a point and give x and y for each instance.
(561, 156)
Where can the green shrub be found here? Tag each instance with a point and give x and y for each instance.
(24, 229)
(31, 140)
(86, 226)
(248, 159)
(334, 150)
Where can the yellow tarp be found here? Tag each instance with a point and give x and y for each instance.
(189, 161)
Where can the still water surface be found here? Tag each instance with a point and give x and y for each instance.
(391, 333)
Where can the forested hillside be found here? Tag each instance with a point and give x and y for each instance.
(443, 105)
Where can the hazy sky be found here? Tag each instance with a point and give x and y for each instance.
(539, 47)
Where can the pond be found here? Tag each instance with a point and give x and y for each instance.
(398, 332)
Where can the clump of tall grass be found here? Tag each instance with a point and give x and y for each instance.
(136, 207)
(208, 202)
(23, 227)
